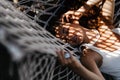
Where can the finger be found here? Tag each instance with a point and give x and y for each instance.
(59, 55)
(65, 60)
(62, 55)
(67, 18)
(69, 61)
(62, 19)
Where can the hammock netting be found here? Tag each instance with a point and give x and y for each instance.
(27, 32)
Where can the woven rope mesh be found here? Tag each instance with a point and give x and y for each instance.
(41, 11)
(117, 13)
(46, 11)
(33, 40)
(32, 46)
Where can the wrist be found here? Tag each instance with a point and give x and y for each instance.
(93, 2)
(83, 9)
(75, 63)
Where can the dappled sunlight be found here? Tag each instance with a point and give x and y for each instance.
(72, 16)
(108, 40)
(93, 2)
(48, 14)
(108, 10)
(104, 38)
(108, 7)
(110, 54)
(100, 33)
(70, 33)
(82, 9)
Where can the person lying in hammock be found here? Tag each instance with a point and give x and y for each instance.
(99, 43)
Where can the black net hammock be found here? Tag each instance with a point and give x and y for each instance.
(28, 42)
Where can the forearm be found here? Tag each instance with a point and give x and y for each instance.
(87, 6)
(108, 10)
(84, 72)
(89, 72)
(93, 2)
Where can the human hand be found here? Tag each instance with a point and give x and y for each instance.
(71, 16)
(66, 58)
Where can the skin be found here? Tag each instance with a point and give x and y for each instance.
(90, 60)
(89, 63)
(107, 10)
(88, 66)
